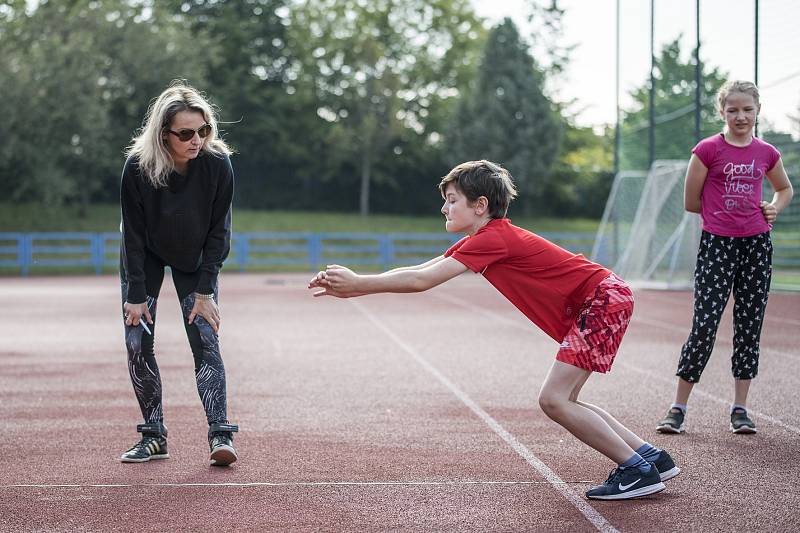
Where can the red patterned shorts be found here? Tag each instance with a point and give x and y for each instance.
(594, 338)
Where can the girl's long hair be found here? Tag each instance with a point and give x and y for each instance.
(149, 146)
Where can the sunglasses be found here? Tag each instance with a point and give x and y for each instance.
(187, 134)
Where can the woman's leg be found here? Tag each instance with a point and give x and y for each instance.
(559, 400)
(208, 367)
(142, 366)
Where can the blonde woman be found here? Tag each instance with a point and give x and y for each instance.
(176, 193)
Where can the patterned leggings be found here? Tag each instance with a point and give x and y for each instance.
(203, 340)
(743, 264)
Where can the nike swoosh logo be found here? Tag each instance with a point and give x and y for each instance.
(626, 487)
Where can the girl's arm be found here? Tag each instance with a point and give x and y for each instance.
(693, 188)
(344, 283)
(783, 192)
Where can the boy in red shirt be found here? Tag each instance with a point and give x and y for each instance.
(580, 304)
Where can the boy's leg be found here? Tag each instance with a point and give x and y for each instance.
(630, 438)
(557, 399)
(634, 477)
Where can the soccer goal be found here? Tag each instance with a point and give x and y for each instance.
(645, 235)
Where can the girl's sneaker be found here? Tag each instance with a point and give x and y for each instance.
(672, 423)
(741, 423)
(152, 446)
(627, 483)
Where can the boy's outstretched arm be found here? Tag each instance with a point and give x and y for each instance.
(342, 282)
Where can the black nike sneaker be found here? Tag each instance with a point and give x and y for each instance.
(665, 466)
(627, 483)
(152, 446)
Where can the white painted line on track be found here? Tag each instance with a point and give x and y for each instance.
(279, 484)
(709, 396)
(671, 381)
(595, 518)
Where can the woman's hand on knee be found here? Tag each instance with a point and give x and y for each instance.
(207, 309)
(136, 312)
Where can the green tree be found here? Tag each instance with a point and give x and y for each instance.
(77, 78)
(273, 123)
(674, 111)
(584, 171)
(506, 117)
(546, 21)
(379, 70)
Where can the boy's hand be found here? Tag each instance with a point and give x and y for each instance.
(337, 281)
(769, 211)
(318, 280)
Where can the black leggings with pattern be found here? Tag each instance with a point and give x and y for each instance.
(743, 264)
(203, 340)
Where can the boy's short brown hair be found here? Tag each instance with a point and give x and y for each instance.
(483, 178)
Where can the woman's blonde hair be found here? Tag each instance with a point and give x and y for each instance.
(149, 146)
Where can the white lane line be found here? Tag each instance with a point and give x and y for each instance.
(596, 519)
(280, 484)
(696, 390)
(709, 396)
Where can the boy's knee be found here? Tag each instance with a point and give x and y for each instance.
(550, 403)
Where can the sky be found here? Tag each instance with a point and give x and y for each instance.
(727, 40)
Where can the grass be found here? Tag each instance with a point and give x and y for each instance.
(30, 218)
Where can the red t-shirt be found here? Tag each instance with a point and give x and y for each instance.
(544, 281)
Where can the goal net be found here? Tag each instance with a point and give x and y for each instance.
(645, 235)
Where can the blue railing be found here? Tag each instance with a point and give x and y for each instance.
(26, 252)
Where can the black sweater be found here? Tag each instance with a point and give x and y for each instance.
(187, 224)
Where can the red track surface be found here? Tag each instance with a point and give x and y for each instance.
(410, 412)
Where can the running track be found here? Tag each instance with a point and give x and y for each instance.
(390, 412)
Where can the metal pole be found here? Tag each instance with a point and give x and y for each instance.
(698, 89)
(651, 137)
(756, 58)
(617, 144)
(617, 138)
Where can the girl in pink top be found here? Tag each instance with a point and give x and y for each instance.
(723, 184)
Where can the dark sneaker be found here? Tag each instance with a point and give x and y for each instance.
(152, 446)
(740, 423)
(626, 483)
(666, 466)
(220, 441)
(672, 423)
